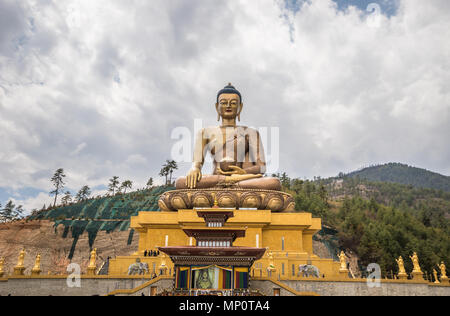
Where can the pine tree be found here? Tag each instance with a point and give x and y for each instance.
(164, 172)
(18, 212)
(7, 213)
(285, 180)
(58, 182)
(171, 167)
(127, 184)
(83, 194)
(113, 184)
(67, 198)
(150, 183)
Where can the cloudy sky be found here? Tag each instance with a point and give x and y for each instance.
(97, 86)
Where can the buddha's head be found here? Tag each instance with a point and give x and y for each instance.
(229, 103)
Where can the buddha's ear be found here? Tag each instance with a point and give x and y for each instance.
(218, 113)
(239, 113)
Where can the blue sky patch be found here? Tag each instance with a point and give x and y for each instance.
(20, 194)
(28, 192)
(388, 7)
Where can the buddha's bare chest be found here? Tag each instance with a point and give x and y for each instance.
(225, 139)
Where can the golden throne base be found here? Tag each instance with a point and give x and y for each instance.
(275, 201)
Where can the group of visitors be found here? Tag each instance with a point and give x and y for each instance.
(151, 253)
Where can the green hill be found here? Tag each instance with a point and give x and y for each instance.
(404, 174)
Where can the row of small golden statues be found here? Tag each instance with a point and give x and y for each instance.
(417, 273)
(19, 269)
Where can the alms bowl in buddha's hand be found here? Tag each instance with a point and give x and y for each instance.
(233, 170)
(226, 164)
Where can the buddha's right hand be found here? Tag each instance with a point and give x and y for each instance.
(194, 176)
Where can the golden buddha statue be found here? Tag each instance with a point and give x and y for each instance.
(238, 154)
(20, 267)
(37, 266)
(401, 265)
(238, 167)
(435, 275)
(92, 261)
(21, 261)
(443, 271)
(415, 260)
(343, 261)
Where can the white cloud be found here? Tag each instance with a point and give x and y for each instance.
(97, 87)
(79, 148)
(35, 202)
(136, 160)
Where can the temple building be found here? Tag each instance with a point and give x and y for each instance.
(213, 263)
(183, 234)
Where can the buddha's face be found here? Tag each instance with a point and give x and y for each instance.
(229, 105)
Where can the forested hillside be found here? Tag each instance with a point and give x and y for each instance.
(404, 174)
(380, 221)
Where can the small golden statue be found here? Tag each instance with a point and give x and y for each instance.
(343, 271)
(436, 279)
(343, 261)
(163, 267)
(2, 264)
(271, 269)
(19, 269)
(37, 266)
(417, 272)
(92, 262)
(401, 265)
(402, 275)
(415, 261)
(216, 203)
(271, 264)
(20, 262)
(443, 269)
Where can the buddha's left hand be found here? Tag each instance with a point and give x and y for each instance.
(236, 170)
